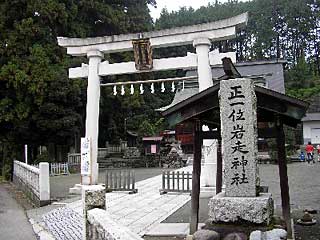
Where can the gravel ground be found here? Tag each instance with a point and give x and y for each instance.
(306, 232)
(304, 186)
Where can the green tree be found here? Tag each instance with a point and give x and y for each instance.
(39, 105)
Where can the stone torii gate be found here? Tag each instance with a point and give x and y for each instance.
(200, 36)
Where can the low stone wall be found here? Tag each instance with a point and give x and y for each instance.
(103, 227)
(35, 182)
(27, 190)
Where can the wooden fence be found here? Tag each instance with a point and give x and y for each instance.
(114, 149)
(176, 181)
(120, 180)
(74, 159)
(57, 169)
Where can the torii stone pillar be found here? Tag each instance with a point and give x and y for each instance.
(202, 46)
(92, 115)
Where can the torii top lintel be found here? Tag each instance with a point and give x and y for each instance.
(219, 30)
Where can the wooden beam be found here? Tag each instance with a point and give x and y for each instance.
(284, 185)
(196, 177)
(201, 106)
(267, 132)
(219, 169)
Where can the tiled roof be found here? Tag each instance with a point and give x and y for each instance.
(275, 81)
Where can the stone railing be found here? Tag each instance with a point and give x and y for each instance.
(35, 182)
(101, 226)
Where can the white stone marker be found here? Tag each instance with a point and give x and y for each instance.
(238, 112)
(44, 183)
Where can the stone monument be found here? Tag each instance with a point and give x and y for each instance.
(241, 200)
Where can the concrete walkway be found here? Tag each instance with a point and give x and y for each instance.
(14, 224)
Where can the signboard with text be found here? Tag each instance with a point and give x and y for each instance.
(85, 156)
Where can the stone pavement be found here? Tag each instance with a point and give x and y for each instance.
(14, 224)
(139, 212)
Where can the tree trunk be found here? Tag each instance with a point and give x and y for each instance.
(51, 152)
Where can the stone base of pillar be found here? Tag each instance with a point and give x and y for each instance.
(207, 192)
(255, 210)
(93, 196)
(76, 190)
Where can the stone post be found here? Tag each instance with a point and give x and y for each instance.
(93, 196)
(44, 183)
(202, 46)
(92, 114)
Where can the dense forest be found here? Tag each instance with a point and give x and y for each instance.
(39, 105)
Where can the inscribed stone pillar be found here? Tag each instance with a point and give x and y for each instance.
(238, 112)
(92, 114)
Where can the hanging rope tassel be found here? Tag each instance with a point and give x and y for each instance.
(162, 87)
(122, 90)
(141, 89)
(152, 88)
(173, 88)
(131, 89)
(115, 90)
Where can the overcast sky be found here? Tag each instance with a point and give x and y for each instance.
(173, 5)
